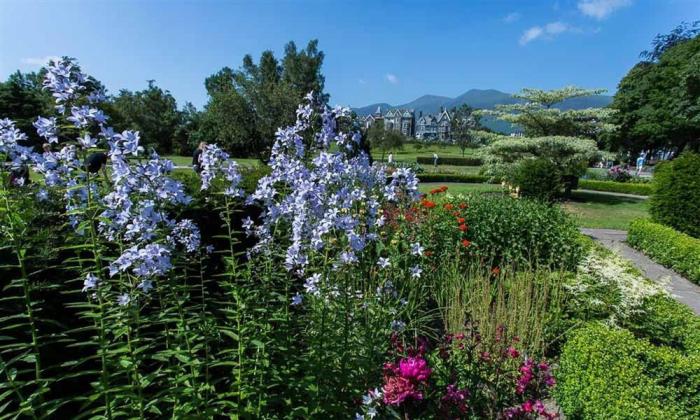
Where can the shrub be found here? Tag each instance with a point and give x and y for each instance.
(506, 230)
(619, 174)
(667, 246)
(537, 178)
(466, 178)
(665, 321)
(456, 161)
(618, 187)
(676, 197)
(608, 373)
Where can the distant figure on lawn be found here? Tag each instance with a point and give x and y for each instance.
(390, 159)
(96, 161)
(640, 162)
(435, 159)
(197, 156)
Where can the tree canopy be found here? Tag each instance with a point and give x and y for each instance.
(658, 102)
(246, 106)
(537, 114)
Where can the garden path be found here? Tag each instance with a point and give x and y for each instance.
(615, 194)
(681, 288)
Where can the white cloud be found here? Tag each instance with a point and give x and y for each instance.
(511, 17)
(601, 9)
(39, 61)
(391, 78)
(531, 35)
(547, 31)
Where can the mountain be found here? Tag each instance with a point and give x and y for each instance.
(481, 99)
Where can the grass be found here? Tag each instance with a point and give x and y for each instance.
(410, 152)
(451, 169)
(187, 160)
(455, 188)
(593, 210)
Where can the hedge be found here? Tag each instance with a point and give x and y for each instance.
(456, 161)
(667, 246)
(676, 198)
(607, 373)
(618, 187)
(473, 179)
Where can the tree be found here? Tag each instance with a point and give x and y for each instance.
(384, 140)
(681, 33)
(464, 124)
(153, 112)
(248, 105)
(537, 113)
(658, 103)
(569, 155)
(22, 100)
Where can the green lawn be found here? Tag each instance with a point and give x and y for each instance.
(410, 152)
(604, 211)
(187, 160)
(455, 188)
(452, 169)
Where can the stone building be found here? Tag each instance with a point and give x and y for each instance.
(434, 127)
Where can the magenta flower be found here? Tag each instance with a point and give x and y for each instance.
(414, 368)
(398, 389)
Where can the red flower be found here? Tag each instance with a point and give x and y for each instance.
(460, 220)
(463, 227)
(495, 271)
(428, 253)
(463, 205)
(448, 206)
(427, 204)
(466, 243)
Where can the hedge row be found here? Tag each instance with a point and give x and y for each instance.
(618, 187)
(456, 161)
(473, 179)
(608, 373)
(667, 246)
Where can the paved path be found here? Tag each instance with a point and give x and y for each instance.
(683, 290)
(616, 194)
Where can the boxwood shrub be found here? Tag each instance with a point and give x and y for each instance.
(607, 373)
(455, 161)
(474, 179)
(618, 187)
(667, 246)
(665, 321)
(676, 198)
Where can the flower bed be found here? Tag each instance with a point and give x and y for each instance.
(667, 246)
(455, 161)
(618, 187)
(473, 179)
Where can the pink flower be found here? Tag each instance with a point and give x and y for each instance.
(512, 352)
(414, 368)
(527, 406)
(398, 389)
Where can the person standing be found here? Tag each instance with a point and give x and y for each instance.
(435, 159)
(640, 163)
(390, 159)
(197, 156)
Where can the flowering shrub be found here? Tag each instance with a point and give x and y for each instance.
(463, 377)
(619, 174)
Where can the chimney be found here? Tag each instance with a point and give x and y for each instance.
(420, 114)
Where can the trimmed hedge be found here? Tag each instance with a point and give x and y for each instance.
(607, 373)
(472, 179)
(455, 161)
(618, 187)
(667, 246)
(676, 198)
(665, 321)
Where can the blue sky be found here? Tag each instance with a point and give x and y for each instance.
(376, 51)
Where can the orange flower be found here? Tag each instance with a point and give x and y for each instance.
(448, 206)
(428, 204)
(463, 227)
(435, 191)
(455, 213)
(466, 243)
(463, 205)
(495, 271)
(460, 220)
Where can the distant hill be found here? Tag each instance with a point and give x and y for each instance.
(480, 99)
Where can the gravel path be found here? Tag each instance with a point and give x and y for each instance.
(683, 290)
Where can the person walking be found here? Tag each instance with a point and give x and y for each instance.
(197, 156)
(640, 163)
